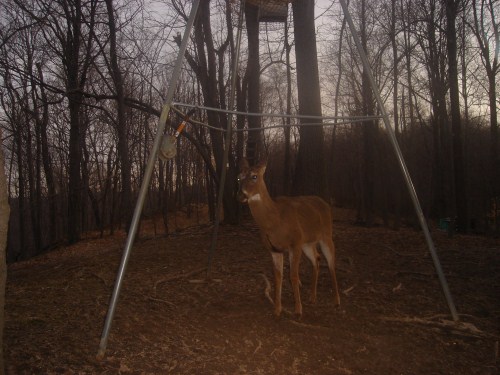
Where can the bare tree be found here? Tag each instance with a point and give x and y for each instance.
(461, 201)
(432, 46)
(121, 123)
(408, 48)
(11, 102)
(485, 27)
(310, 169)
(42, 123)
(4, 229)
(370, 130)
(69, 35)
(208, 64)
(252, 77)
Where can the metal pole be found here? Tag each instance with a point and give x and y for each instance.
(145, 182)
(402, 164)
(227, 143)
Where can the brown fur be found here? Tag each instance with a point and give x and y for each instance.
(292, 225)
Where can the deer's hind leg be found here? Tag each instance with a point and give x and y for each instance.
(294, 255)
(278, 280)
(328, 250)
(313, 256)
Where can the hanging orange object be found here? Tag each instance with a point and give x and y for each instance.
(168, 148)
(180, 128)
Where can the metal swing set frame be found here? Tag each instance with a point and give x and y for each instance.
(228, 135)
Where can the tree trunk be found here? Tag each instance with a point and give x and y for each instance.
(33, 155)
(333, 186)
(492, 70)
(456, 123)
(485, 29)
(212, 82)
(310, 169)
(4, 229)
(76, 63)
(287, 173)
(121, 125)
(395, 180)
(46, 161)
(443, 183)
(75, 181)
(32, 186)
(370, 130)
(253, 77)
(408, 54)
(495, 141)
(21, 197)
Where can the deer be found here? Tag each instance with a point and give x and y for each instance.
(292, 225)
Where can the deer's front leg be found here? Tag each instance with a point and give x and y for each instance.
(278, 280)
(294, 278)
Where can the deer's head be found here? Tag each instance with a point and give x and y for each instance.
(251, 181)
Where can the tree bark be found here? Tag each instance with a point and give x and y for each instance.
(76, 64)
(43, 123)
(287, 173)
(409, 76)
(253, 79)
(370, 130)
(482, 10)
(461, 199)
(4, 229)
(310, 169)
(21, 197)
(212, 82)
(121, 124)
(442, 172)
(395, 181)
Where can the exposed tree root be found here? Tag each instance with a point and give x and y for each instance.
(457, 328)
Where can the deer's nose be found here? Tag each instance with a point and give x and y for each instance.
(241, 196)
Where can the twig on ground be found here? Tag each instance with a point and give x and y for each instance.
(203, 281)
(458, 328)
(348, 290)
(425, 275)
(176, 277)
(267, 291)
(305, 325)
(162, 300)
(396, 288)
(401, 254)
(258, 347)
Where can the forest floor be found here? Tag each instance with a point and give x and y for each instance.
(393, 317)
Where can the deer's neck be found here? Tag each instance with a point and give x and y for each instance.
(264, 209)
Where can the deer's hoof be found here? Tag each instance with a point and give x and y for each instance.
(277, 312)
(298, 311)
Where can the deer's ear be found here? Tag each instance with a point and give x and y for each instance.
(244, 164)
(261, 165)
(262, 161)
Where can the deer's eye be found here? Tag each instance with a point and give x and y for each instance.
(254, 177)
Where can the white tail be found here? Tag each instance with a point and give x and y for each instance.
(289, 225)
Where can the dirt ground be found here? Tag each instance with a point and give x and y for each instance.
(393, 317)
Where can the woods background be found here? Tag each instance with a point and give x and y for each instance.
(82, 84)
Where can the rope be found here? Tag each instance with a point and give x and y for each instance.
(347, 119)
